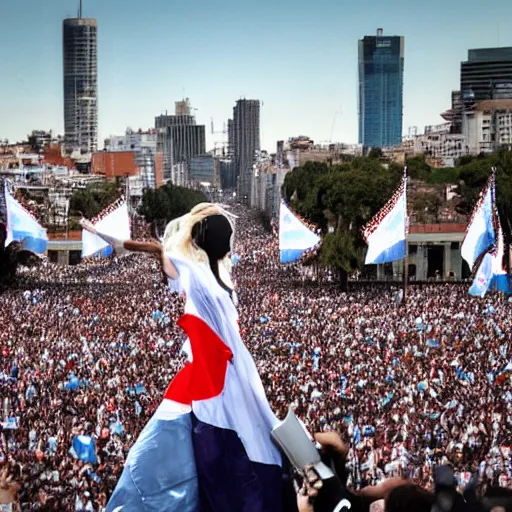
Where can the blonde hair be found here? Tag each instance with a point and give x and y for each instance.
(178, 238)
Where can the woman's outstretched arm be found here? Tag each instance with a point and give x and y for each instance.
(152, 247)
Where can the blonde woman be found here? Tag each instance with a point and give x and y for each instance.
(208, 446)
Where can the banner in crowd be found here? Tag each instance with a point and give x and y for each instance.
(385, 234)
(84, 448)
(295, 238)
(485, 241)
(491, 273)
(500, 281)
(115, 224)
(23, 227)
(481, 233)
(483, 276)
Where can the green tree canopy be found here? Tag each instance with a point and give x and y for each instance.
(94, 199)
(342, 198)
(166, 203)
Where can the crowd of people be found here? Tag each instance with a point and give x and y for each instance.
(89, 350)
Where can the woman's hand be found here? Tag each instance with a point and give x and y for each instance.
(88, 226)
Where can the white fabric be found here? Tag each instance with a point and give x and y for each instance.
(116, 224)
(482, 221)
(391, 231)
(20, 222)
(293, 234)
(170, 410)
(242, 406)
(497, 263)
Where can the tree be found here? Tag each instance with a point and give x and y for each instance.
(341, 199)
(340, 252)
(473, 177)
(166, 203)
(375, 153)
(91, 201)
(426, 206)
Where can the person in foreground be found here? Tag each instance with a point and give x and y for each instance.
(208, 446)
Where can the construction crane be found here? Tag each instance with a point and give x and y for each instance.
(224, 130)
(223, 143)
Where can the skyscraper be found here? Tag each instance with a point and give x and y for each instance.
(381, 76)
(487, 74)
(80, 56)
(179, 139)
(245, 137)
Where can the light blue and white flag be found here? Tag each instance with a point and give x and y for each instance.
(23, 227)
(385, 234)
(491, 273)
(115, 224)
(500, 280)
(480, 234)
(84, 448)
(483, 277)
(294, 237)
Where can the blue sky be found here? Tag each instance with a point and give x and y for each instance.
(299, 57)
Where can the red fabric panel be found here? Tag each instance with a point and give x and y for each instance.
(205, 376)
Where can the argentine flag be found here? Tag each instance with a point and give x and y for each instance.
(483, 277)
(480, 234)
(386, 233)
(22, 227)
(115, 224)
(294, 237)
(84, 448)
(491, 273)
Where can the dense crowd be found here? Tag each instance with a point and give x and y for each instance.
(89, 350)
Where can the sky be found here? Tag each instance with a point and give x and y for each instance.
(298, 57)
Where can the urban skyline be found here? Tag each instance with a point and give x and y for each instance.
(284, 67)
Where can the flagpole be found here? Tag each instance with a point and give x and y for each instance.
(406, 272)
(508, 253)
(406, 259)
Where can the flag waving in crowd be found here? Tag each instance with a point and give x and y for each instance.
(22, 226)
(484, 245)
(481, 232)
(386, 233)
(295, 238)
(114, 222)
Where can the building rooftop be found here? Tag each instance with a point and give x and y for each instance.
(494, 104)
(490, 54)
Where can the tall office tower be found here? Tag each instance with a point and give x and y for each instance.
(80, 52)
(231, 135)
(246, 144)
(381, 77)
(179, 138)
(487, 74)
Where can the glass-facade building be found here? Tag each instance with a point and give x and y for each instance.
(381, 76)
